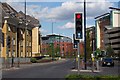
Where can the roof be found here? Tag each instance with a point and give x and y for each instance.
(45, 38)
(103, 15)
(114, 8)
(29, 19)
(55, 35)
(16, 17)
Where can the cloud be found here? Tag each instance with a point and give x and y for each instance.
(43, 30)
(90, 26)
(65, 11)
(68, 25)
(58, 0)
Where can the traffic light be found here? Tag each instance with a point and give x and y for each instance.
(78, 26)
(75, 42)
(8, 41)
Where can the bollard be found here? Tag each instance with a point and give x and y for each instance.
(97, 65)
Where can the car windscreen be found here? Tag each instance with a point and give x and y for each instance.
(108, 60)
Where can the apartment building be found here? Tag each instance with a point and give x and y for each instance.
(17, 29)
(63, 43)
(107, 29)
(92, 37)
(33, 35)
(101, 22)
(113, 38)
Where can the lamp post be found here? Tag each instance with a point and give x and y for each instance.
(52, 42)
(59, 44)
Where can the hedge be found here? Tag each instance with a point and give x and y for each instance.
(90, 77)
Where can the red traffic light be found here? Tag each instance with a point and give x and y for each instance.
(78, 16)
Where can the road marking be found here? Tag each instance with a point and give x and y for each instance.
(86, 70)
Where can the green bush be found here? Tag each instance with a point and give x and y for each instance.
(73, 77)
(90, 77)
(33, 60)
(107, 77)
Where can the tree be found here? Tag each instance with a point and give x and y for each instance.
(50, 50)
(97, 53)
(110, 51)
(88, 47)
(57, 51)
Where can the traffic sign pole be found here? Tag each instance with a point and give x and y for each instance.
(78, 57)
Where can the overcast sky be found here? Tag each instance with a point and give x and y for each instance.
(62, 13)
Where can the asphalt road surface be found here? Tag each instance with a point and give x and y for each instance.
(57, 70)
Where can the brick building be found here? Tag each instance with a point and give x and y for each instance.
(63, 43)
(92, 37)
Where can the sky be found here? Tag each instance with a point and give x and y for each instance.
(61, 14)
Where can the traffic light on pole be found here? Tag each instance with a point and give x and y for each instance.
(75, 42)
(78, 26)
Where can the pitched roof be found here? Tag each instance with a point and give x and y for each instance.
(16, 17)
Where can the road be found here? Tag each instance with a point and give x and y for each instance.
(56, 70)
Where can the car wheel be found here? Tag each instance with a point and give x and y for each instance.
(103, 65)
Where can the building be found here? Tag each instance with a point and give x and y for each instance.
(57, 44)
(18, 30)
(92, 37)
(35, 32)
(113, 38)
(101, 22)
(0, 32)
(107, 29)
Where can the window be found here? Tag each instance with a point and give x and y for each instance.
(14, 41)
(9, 29)
(21, 54)
(21, 32)
(9, 53)
(14, 53)
(29, 43)
(21, 43)
(63, 49)
(27, 32)
(3, 39)
(27, 53)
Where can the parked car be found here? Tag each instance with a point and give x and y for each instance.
(107, 62)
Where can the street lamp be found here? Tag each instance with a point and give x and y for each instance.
(52, 42)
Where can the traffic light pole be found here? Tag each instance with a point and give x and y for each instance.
(79, 57)
(85, 56)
